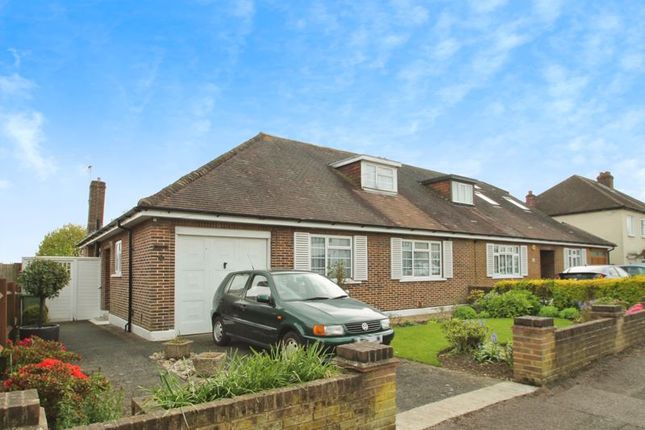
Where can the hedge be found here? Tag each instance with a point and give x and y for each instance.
(565, 293)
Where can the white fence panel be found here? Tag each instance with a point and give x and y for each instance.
(81, 298)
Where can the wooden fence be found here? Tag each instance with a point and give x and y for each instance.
(10, 271)
(9, 308)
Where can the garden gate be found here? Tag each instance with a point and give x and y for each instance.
(81, 298)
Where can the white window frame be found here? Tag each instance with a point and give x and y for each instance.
(516, 203)
(462, 193)
(500, 250)
(327, 238)
(574, 257)
(371, 181)
(642, 227)
(630, 225)
(486, 198)
(430, 277)
(118, 258)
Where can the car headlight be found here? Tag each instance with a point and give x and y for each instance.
(385, 324)
(328, 330)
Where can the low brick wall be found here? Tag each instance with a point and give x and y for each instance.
(364, 396)
(542, 353)
(21, 409)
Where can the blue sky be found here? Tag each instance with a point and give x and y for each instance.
(521, 94)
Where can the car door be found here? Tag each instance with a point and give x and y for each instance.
(231, 307)
(261, 318)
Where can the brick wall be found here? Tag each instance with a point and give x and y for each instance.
(444, 188)
(363, 397)
(21, 409)
(154, 277)
(352, 172)
(542, 353)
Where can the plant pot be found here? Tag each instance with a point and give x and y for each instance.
(209, 364)
(177, 349)
(46, 332)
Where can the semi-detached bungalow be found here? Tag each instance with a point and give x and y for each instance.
(410, 238)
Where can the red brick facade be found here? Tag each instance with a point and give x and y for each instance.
(154, 270)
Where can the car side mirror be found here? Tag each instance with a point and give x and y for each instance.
(264, 298)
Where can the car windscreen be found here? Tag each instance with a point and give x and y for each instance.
(305, 286)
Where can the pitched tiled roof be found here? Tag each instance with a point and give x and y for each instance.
(578, 194)
(273, 177)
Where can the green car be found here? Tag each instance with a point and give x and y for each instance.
(292, 307)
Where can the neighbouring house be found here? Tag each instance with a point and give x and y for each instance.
(599, 208)
(411, 239)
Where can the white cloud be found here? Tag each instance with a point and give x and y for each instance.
(548, 10)
(486, 6)
(446, 49)
(409, 12)
(4, 184)
(15, 85)
(244, 9)
(24, 130)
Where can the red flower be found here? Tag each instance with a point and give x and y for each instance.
(7, 383)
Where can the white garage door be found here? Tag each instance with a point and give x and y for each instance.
(203, 258)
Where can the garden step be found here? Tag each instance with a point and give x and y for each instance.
(434, 413)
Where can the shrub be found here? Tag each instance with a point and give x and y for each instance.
(464, 335)
(492, 351)
(464, 313)
(252, 373)
(570, 314)
(610, 301)
(69, 396)
(96, 402)
(549, 311)
(474, 296)
(34, 350)
(52, 378)
(510, 304)
(30, 315)
(568, 293)
(483, 315)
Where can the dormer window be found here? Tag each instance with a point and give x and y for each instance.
(462, 193)
(371, 173)
(375, 177)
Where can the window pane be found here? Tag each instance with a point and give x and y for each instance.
(236, 287)
(420, 245)
(407, 260)
(260, 285)
(421, 267)
(369, 176)
(406, 245)
(333, 241)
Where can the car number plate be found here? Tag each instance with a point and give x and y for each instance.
(373, 338)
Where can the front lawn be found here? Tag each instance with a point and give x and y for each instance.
(423, 343)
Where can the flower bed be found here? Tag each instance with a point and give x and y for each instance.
(69, 396)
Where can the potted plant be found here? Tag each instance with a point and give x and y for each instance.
(177, 348)
(42, 279)
(209, 363)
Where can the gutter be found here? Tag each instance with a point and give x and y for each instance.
(128, 325)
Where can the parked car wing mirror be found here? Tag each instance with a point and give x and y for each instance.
(264, 298)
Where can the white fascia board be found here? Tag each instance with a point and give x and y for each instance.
(369, 158)
(156, 213)
(348, 227)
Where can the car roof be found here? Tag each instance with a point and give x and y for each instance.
(598, 268)
(633, 265)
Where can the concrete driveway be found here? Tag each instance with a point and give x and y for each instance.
(124, 359)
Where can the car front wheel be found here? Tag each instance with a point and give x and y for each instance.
(219, 336)
(291, 340)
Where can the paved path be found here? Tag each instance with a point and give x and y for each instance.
(608, 395)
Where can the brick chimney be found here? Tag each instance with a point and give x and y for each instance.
(606, 179)
(530, 199)
(96, 205)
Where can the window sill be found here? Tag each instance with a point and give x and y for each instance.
(116, 275)
(421, 279)
(351, 282)
(507, 276)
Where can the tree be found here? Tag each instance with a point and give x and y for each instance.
(43, 279)
(62, 242)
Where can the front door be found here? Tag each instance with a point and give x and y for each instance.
(547, 264)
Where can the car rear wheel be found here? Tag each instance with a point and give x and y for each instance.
(219, 336)
(291, 340)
